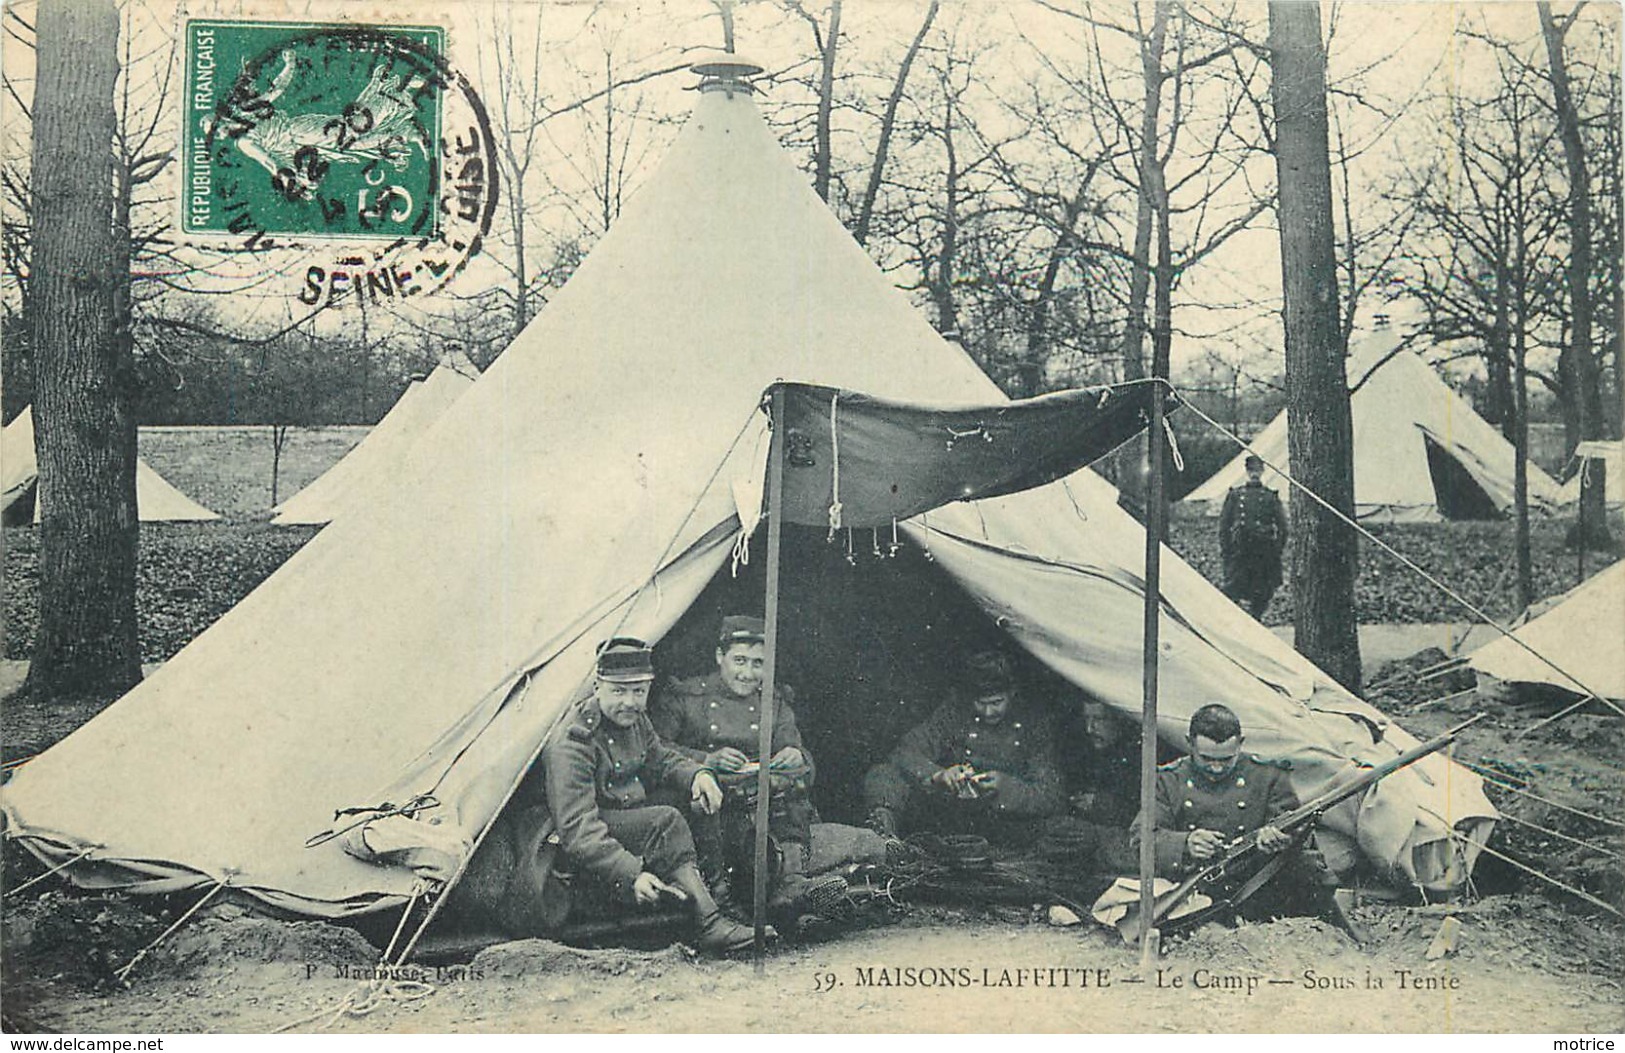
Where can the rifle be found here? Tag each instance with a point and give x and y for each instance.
(1298, 823)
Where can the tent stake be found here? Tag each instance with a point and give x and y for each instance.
(775, 522)
(1154, 511)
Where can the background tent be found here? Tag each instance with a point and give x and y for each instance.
(1612, 454)
(375, 460)
(1580, 633)
(584, 486)
(156, 499)
(1420, 451)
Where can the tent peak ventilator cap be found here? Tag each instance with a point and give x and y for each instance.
(726, 71)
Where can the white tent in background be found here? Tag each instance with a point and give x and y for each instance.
(1421, 453)
(583, 487)
(1612, 455)
(18, 468)
(156, 499)
(1580, 633)
(376, 460)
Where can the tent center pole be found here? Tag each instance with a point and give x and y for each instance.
(1155, 509)
(764, 751)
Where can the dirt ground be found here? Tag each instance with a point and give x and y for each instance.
(928, 972)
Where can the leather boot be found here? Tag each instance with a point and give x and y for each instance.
(713, 930)
(798, 894)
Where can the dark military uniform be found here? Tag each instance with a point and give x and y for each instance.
(1256, 792)
(1252, 533)
(699, 715)
(598, 777)
(1252, 796)
(1021, 747)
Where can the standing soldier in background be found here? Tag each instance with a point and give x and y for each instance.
(1252, 534)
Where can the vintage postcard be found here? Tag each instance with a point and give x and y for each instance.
(631, 517)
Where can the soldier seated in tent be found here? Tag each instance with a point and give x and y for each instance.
(1217, 794)
(598, 774)
(715, 719)
(1104, 778)
(984, 763)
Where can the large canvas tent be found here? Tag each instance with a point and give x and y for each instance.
(156, 499)
(1421, 453)
(373, 462)
(1579, 635)
(592, 482)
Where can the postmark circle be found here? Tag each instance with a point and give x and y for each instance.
(365, 150)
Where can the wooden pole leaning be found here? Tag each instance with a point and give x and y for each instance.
(1154, 512)
(764, 751)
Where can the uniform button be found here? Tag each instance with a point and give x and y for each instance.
(1189, 805)
(1016, 743)
(753, 727)
(1189, 784)
(973, 734)
(1191, 827)
(713, 727)
(1241, 804)
(1018, 726)
(1241, 780)
(713, 705)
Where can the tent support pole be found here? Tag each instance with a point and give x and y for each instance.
(1154, 512)
(775, 523)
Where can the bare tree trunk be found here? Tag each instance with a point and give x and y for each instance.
(888, 121)
(1520, 470)
(1577, 361)
(1132, 460)
(942, 289)
(1319, 426)
(86, 643)
(826, 102)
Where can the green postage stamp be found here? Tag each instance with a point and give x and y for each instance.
(360, 136)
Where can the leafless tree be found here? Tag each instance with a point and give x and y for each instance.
(86, 642)
(1325, 554)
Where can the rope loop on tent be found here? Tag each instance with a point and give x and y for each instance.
(740, 556)
(420, 803)
(835, 469)
(56, 869)
(418, 889)
(123, 974)
(1173, 446)
(1406, 561)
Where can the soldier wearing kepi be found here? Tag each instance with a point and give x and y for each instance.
(983, 763)
(716, 719)
(1216, 795)
(598, 774)
(1252, 535)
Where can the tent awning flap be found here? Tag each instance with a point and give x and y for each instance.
(858, 461)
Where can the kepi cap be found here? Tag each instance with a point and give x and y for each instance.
(741, 628)
(625, 660)
(987, 672)
(1253, 461)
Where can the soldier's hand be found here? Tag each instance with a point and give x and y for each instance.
(706, 794)
(988, 782)
(1271, 839)
(646, 889)
(947, 780)
(726, 759)
(789, 757)
(1203, 844)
